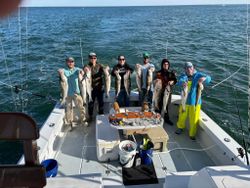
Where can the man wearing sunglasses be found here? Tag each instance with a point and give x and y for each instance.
(123, 69)
(73, 94)
(97, 76)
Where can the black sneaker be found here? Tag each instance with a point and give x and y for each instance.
(168, 121)
(90, 119)
(178, 131)
(192, 138)
(157, 111)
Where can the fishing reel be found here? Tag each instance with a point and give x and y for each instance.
(240, 153)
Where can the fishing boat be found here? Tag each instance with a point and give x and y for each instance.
(89, 156)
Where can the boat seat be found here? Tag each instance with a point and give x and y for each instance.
(21, 127)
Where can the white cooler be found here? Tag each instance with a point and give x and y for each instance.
(107, 139)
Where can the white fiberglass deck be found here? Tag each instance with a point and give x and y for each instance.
(77, 154)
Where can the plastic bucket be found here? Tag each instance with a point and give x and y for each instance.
(127, 151)
(51, 167)
(146, 156)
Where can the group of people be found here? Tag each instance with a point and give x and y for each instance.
(146, 80)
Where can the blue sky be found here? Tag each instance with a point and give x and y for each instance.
(126, 2)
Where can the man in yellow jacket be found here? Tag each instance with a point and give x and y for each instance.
(191, 79)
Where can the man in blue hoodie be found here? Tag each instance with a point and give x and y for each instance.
(192, 79)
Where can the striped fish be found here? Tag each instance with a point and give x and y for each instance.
(88, 79)
(107, 80)
(157, 93)
(149, 77)
(184, 94)
(83, 88)
(138, 72)
(127, 81)
(64, 88)
(118, 83)
(200, 87)
(167, 92)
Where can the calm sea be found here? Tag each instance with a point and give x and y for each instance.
(35, 41)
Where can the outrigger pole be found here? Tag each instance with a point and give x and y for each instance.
(248, 58)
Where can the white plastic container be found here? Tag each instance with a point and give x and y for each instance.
(127, 157)
(107, 140)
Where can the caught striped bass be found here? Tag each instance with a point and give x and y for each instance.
(88, 80)
(200, 87)
(138, 72)
(83, 88)
(149, 77)
(64, 87)
(157, 93)
(184, 94)
(118, 83)
(85, 85)
(107, 80)
(127, 81)
(167, 92)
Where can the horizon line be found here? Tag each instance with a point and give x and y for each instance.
(54, 6)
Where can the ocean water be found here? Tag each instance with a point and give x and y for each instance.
(35, 41)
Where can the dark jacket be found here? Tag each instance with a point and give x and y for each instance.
(122, 71)
(97, 75)
(166, 75)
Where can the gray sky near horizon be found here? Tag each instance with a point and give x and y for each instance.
(85, 3)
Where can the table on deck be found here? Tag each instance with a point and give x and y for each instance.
(131, 121)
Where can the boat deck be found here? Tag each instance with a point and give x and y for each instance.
(77, 153)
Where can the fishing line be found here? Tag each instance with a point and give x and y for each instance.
(8, 74)
(17, 89)
(227, 77)
(167, 49)
(81, 51)
(20, 54)
(26, 44)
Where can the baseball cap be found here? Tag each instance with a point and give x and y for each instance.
(188, 64)
(91, 54)
(145, 55)
(70, 59)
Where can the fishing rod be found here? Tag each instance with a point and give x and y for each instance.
(17, 89)
(242, 132)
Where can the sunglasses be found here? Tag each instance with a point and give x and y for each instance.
(70, 61)
(92, 57)
(121, 59)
